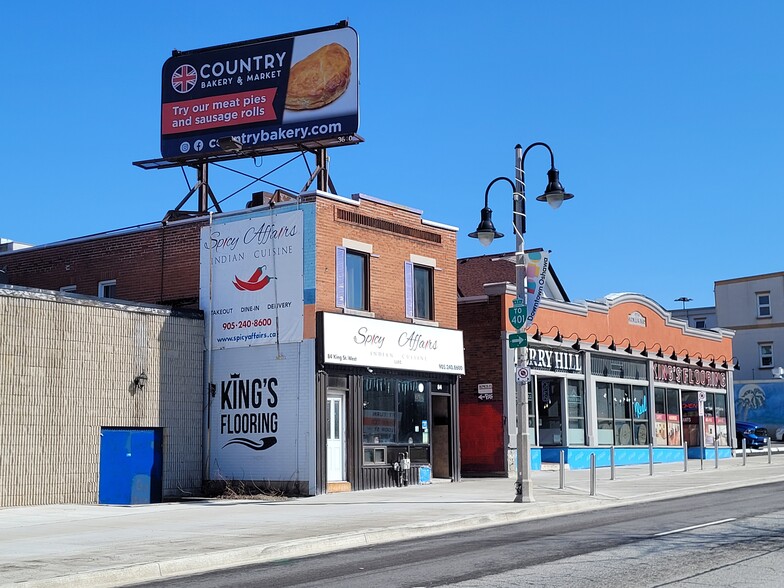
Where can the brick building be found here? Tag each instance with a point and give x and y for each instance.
(154, 264)
(332, 355)
(616, 375)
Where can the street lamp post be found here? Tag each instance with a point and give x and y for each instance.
(554, 195)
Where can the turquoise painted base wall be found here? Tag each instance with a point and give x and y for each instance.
(709, 452)
(536, 459)
(580, 457)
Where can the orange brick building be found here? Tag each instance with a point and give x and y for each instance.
(619, 374)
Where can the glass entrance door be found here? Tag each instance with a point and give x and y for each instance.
(550, 411)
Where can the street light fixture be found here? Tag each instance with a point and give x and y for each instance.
(554, 195)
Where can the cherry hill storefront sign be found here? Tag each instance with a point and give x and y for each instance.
(554, 360)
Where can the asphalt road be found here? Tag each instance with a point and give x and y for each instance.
(735, 537)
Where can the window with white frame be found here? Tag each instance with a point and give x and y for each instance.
(352, 279)
(107, 289)
(699, 323)
(356, 280)
(423, 292)
(420, 292)
(763, 304)
(766, 355)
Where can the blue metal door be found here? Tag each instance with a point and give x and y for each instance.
(130, 466)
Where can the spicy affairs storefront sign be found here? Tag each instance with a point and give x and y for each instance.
(352, 340)
(689, 376)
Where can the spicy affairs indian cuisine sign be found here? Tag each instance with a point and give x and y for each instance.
(284, 90)
(352, 340)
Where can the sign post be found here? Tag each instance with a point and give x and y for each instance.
(701, 396)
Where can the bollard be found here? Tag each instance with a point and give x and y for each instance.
(743, 445)
(685, 456)
(612, 462)
(650, 457)
(592, 483)
(561, 471)
(716, 451)
(770, 451)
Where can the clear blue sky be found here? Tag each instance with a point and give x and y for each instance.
(666, 119)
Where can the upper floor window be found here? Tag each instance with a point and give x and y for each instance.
(699, 323)
(763, 304)
(357, 280)
(766, 355)
(352, 271)
(423, 292)
(419, 289)
(107, 289)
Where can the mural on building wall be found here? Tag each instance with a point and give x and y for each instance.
(252, 280)
(761, 403)
(258, 413)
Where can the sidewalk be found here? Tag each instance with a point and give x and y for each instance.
(99, 545)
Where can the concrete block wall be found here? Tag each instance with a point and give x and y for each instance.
(67, 365)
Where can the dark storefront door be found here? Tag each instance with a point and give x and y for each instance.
(549, 408)
(442, 429)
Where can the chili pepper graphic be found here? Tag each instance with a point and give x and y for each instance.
(255, 283)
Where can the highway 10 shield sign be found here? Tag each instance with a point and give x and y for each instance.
(518, 313)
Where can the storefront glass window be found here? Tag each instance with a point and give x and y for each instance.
(715, 418)
(394, 410)
(709, 420)
(660, 414)
(668, 416)
(532, 439)
(576, 401)
(673, 418)
(622, 414)
(720, 413)
(622, 409)
(549, 398)
(691, 419)
(640, 414)
(604, 413)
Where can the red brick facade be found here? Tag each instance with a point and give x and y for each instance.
(482, 427)
(401, 234)
(157, 265)
(160, 264)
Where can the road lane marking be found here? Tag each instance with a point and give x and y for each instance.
(694, 527)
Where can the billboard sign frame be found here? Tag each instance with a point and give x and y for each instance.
(263, 94)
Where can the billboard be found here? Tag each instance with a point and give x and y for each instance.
(284, 90)
(252, 280)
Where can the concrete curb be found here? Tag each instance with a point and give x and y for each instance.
(203, 563)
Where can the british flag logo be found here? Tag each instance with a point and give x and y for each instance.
(184, 78)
